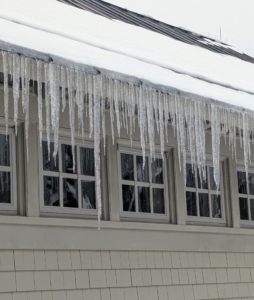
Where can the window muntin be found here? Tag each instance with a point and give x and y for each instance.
(203, 201)
(246, 194)
(142, 191)
(65, 188)
(8, 197)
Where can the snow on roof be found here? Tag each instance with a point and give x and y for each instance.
(54, 28)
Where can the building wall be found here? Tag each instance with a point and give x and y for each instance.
(55, 257)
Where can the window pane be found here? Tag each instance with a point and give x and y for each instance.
(51, 191)
(190, 176)
(216, 206)
(158, 201)
(5, 187)
(251, 184)
(157, 171)
(203, 205)
(128, 197)
(244, 214)
(127, 167)
(67, 159)
(252, 208)
(142, 173)
(242, 187)
(88, 194)
(4, 150)
(87, 161)
(144, 199)
(191, 203)
(213, 185)
(202, 182)
(49, 163)
(70, 192)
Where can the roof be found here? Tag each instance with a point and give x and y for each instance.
(114, 12)
(93, 40)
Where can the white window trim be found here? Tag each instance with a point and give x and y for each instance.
(65, 211)
(136, 216)
(10, 207)
(206, 220)
(245, 223)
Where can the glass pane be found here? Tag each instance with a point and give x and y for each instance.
(127, 167)
(190, 176)
(51, 191)
(213, 185)
(202, 182)
(252, 208)
(67, 159)
(49, 163)
(70, 192)
(216, 206)
(157, 171)
(142, 173)
(88, 194)
(144, 199)
(244, 214)
(158, 201)
(203, 205)
(87, 161)
(242, 187)
(5, 187)
(128, 197)
(191, 203)
(251, 184)
(4, 150)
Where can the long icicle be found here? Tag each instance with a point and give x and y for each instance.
(6, 90)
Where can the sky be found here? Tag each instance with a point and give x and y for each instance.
(230, 21)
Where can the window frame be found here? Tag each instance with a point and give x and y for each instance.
(206, 220)
(61, 210)
(141, 216)
(10, 208)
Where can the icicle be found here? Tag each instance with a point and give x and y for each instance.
(111, 106)
(47, 104)
(39, 89)
(246, 141)
(6, 90)
(16, 75)
(22, 75)
(161, 122)
(215, 127)
(96, 93)
(90, 97)
(26, 92)
(63, 88)
(150, 123)
(103, 124)
(80, 102)
(116, 101)
(142, 122)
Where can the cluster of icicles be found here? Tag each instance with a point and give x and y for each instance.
(92, 94)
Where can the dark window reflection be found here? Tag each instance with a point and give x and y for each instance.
(191, 203)
(242, 186)
(51, 191)
(4, 150)
(251, 183)
(87, 161)
(244, 214)
(190, 176)
(5, 187)
(216, 206)
(144, 199)
(128, 197)
(88, 194)
(67, 159)
(127, 167)
(49, 163)
(157, 171)
(158, 201)
(70, 192)
(252, 209)
(142, 173)
(213, 185)
(204, 205)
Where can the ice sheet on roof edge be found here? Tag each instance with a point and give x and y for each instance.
(154, 111)
(129, 40)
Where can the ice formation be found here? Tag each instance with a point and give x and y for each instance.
(154, 109)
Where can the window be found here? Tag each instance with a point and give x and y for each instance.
(246, 194)
(8, 197)
(142, 190)
(203, 201)
(65, 188)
